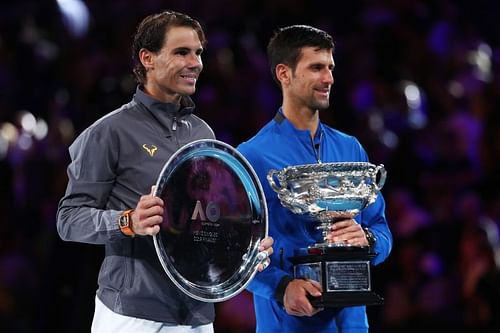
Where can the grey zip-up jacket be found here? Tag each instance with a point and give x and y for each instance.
(113, 163)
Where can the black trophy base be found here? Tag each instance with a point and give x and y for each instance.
(346, 298)
(343, 272)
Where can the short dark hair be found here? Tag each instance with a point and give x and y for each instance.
(285, 46)
(150, 35)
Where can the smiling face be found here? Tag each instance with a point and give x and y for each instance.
(173, 71)
(308, 85)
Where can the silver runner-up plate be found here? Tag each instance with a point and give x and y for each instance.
(214, 219)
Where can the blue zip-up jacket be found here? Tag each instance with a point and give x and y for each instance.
(278, 145)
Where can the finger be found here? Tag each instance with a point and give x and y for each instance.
(308, 309)
(266, 243)
(145, 213)
(156, 210)
(148, 201)
(294, 313)
(152, 221)
(152, 230)
(265, 252)
(297, 309)
(262, 266)
(312, 289)
(316, 284)
(349, 229)
(262, 256)
(148, 226)
(358, 241)
(353, 232)
(311, 310)
(345, 238)
(343, 224)
(340, 215)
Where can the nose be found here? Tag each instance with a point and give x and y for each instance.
(328, 77)
(194, 61)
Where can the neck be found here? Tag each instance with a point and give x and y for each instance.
(160, 95)
(302, 118)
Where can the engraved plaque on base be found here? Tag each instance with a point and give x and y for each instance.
(214, 219)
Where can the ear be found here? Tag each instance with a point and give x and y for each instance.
(283, 74)
(147, 58)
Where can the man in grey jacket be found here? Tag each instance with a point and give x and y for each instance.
(115, 162)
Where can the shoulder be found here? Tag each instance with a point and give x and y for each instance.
(117, 118)
(331, 132)
(201, 125)
(344, 142)
(339, 136)
(259, 140)
(114, 119)
(105, 127)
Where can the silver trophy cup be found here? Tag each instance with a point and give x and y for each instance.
(327, 193)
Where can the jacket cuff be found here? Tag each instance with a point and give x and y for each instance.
(279, 294)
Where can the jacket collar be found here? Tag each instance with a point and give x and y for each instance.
(288, 128)
(168, 115)
(158, 107)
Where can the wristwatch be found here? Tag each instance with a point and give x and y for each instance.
(125, 223)
(370, 237)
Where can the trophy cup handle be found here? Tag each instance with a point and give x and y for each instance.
(381, 179)
(270, 179)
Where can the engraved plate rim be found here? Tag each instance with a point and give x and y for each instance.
(248, 268)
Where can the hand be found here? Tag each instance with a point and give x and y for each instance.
(266, 250)
(295, 300)
(148, 215)
(347, 231)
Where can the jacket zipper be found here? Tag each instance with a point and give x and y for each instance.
(174, 124)
(174, 129)
(317, 151)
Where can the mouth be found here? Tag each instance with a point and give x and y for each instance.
(325, 92)
(189, 77)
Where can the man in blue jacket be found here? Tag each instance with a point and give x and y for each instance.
(301, 60)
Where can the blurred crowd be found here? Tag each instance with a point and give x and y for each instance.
(418, 82)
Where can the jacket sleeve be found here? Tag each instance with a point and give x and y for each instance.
(266, 283)
(83, 215)
(373, 217)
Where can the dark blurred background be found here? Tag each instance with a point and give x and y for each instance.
(416, 81)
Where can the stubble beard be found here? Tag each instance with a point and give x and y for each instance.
(319, 104)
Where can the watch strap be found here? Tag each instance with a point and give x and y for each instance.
(370, 237)
(125, 223)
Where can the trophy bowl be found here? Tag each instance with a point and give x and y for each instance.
(327, 192)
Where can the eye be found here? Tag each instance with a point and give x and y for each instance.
(182, 52)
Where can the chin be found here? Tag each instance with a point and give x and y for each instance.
(188, 92)
(321, 106)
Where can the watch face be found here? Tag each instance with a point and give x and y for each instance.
(123, 221)
(215, 217)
